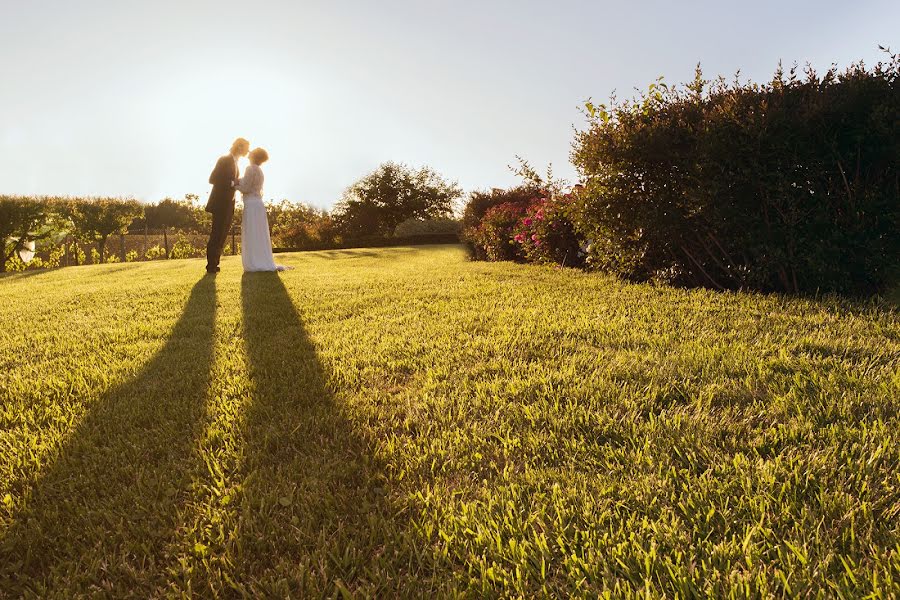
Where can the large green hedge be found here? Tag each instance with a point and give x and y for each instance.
(788, 186)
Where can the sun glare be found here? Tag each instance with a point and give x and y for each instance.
(200, 116)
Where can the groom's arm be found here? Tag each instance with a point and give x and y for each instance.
(221, 174)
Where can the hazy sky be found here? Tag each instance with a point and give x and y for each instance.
(139, 98)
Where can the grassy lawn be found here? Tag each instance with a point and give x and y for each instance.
(404, 422)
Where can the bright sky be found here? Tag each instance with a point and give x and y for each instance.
(138, 98)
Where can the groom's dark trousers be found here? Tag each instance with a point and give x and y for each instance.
(221, 206)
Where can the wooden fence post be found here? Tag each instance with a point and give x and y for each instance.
(233, 248)
(122, 246)
(166, 241)
(146, 240)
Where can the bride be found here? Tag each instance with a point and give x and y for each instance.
(256, 245)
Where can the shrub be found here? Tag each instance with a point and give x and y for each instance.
(131, 256)
(300, 226)
(155, 252)
(48, 255)
(184, 249)
(479, 237)
(17, 265)
(25, 219)
(480, 202)
(493, 238)
(787, 186)
(416, 227)
(546, 234)
(531, 222)
(55, 253)
(323, 232)
(14, 264)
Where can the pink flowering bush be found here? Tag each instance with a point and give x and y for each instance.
(545, 233)
(493, 237)
(528, 223)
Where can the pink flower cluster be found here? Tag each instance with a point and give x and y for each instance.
(533, 214)
(533, 230)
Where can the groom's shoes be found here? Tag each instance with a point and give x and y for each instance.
(212, 271)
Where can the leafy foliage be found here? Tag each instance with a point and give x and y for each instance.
(155, 252)
(391, 194)
(95, 219)
(26, 219)
(493, 238)
(183, 248)
(479, 202)
(531, 222)
(546, 233)
(300, 226)
(789, 186)
(183, 215)
(417, 227)
(52, 256)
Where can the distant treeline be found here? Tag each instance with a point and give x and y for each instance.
(394, 204)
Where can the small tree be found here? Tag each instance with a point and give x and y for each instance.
(169, 213)
(23, 220)
(94, 220)
(391, 194)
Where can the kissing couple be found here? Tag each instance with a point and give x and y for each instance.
(256, 245)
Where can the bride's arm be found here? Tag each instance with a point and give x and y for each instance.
(245, 183)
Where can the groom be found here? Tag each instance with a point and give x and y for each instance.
(221, 201)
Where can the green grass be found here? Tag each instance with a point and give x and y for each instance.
(403, 422)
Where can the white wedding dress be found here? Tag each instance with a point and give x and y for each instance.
(256, 245)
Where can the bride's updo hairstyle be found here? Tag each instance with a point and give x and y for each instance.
(258, 156)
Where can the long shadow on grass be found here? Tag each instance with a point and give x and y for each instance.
(380, 251)
(313, 511)
(99, 519)
(20, 275)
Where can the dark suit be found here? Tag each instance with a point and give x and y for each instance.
(221, 205)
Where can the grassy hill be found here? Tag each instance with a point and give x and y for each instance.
(404, 422)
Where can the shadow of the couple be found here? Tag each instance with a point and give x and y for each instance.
(105, 517)
(312, 488)
(99, 517)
